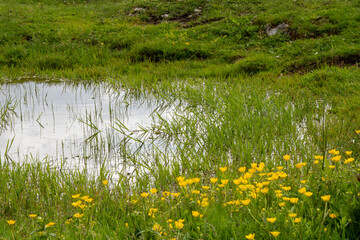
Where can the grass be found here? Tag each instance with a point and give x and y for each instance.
(240, 97)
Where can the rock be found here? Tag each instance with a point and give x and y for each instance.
(137, 10)
(281, 27)
(197, 11)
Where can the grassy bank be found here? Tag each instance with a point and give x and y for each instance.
(244, 99)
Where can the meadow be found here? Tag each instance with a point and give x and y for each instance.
(264, 138)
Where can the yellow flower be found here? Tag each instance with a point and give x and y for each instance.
(348, 153)
(331, 166)
(195, 213)
(78, 215)
(275, 234)
(153, 190)
(251, 236)
(223, 169)
(179, 224)
(175, 194)
(336, 158)
(32, 215)
(333, 151)
(144, 194)
(300, 165)
(286, 188)
(49, 224)
(224, 181)
(89, 200)
(180, 179)
(326, 198)
(85, 197)
(316, 162)
(260, 167)
(308, 194)
(76, 204)
(286, 157)
(294, 200)
(105, 182)
(68, 221)
(318, 157)
(357, 131)
(302, 190)
(332, 215)
(11, 222)
(245, 202)
(242, 169)
(205, 187)
(280, 168)
(195, 192)
(237, 181)
(126, 225)
(271, 220)
(75, 196)
(213, 180)
(282, 204)
(187, 43)
(349, 160)
(264, 190)
(297, 220)
(166, 193)
(292, 214)
(157, 227)
(196, 180)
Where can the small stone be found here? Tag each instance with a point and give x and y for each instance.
(275, 30)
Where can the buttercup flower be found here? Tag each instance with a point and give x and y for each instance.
(250, 236)
(297, 220)
(78, 215)
(179, 224)
(286, 157)
(275, 234)
(326, 198)
(144, 194)
(223, 169)
(153, 190)
(336, 158)
(271, 220)
(195, 213)
(49, 224)
(75, 196)
(11, 222)
(105, 182)
(308, 194)
(332, 215)
(33, 215)
(213, 180)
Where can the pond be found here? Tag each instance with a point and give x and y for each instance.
(77, 126)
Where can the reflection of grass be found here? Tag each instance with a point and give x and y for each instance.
(248, 98)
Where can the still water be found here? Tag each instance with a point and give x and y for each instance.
(76, 126)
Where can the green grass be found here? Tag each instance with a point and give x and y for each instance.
(240, 97)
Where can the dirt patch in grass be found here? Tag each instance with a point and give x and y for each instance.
(352, 59)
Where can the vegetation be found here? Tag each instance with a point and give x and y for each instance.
(264, 92)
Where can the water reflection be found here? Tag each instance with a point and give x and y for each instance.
(72, 126)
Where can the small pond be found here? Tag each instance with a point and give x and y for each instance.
(76, 126)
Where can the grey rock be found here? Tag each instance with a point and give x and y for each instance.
(281, 27)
